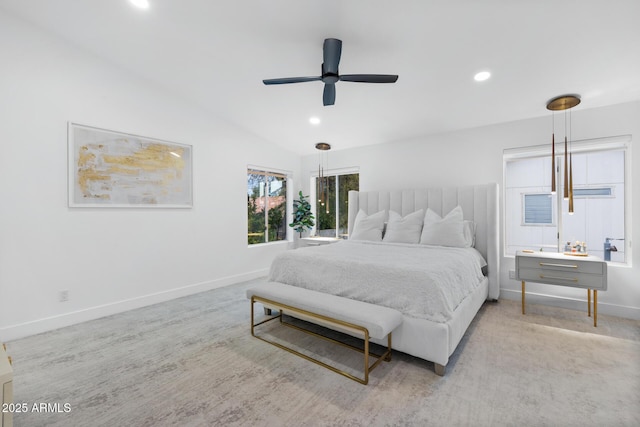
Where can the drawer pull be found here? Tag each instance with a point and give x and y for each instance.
(550, 264)
(573, 279)
(10, 361)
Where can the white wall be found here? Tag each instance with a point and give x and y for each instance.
(110, 259)
(115, 259)
(475, 156)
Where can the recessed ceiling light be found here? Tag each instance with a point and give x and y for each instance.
(482, 76)
(314, 120)
(142, 4)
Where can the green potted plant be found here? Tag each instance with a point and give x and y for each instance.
(302, 215)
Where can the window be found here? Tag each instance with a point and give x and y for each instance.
(331, 208)
(536, 219)
(590, 192)
(266, 206)
(538, 208)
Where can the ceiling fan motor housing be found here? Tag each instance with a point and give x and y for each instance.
(329, 78)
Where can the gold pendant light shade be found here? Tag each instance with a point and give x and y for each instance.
(322, 189)
(553, 163)
(560, 103)
(566, 171)
(570, 184)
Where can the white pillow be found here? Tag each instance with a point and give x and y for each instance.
(368, 227)
(404, 230)
(469, 233)
(447, 231)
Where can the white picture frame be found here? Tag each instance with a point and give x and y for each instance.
(110, 169)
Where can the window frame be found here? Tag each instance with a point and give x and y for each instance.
(313, 195)
(288, 179)
(612, 192)
(613, 143)
(538, 224)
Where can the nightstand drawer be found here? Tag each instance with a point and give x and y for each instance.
(562, 264)
(564, 278)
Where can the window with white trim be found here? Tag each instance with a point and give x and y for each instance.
(537, 209)
(266, 206)
(331, 207)
(538, 220)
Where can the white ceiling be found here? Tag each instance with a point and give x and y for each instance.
(216, 53)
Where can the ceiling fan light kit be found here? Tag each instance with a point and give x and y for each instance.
(331, 52)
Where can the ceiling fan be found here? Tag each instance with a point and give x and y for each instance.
(332, 49)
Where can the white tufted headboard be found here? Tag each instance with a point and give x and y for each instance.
(479, 204)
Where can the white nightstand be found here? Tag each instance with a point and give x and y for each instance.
(587, 272)
(317, 241)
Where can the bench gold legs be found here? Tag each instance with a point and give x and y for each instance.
(323, 320)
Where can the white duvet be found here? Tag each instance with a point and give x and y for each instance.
(425, 282)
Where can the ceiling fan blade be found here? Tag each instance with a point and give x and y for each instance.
(331, 51)
(369, 78)
(286, 80)
(329, 95)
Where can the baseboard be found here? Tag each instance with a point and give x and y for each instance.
(572, 303)
(38, 326)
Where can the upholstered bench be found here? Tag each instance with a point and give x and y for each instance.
(353, 317)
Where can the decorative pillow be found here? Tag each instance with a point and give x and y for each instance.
(447, 231)
(469, 233)
(404, 230)
(368, 227)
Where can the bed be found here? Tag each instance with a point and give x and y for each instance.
(438, 288)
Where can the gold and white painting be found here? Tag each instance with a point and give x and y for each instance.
(113, 169)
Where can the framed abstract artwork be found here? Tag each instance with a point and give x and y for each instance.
(114, 169)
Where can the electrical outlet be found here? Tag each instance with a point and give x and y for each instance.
(512, 274)
(63, 296)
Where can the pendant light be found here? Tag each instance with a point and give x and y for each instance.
(553, 154)
(322, 188)
(570, 167)
(563, 103)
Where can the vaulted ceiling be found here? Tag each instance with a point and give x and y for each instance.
(216, 54)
